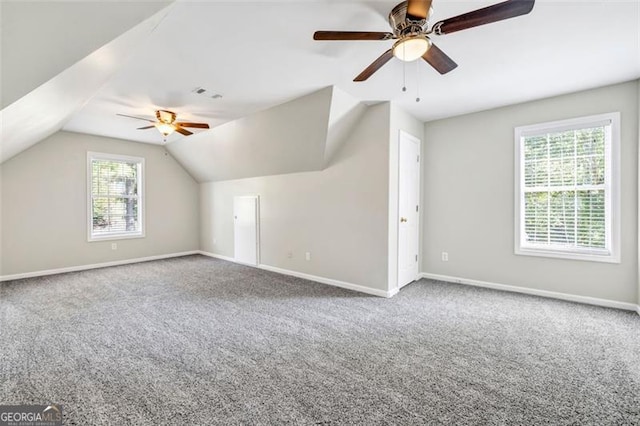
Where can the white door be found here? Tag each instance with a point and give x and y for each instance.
(408, 208)
(245, 229)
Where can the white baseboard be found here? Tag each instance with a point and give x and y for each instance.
(535, 292)
(329, 281)
(338, 283)
(218, 256)
(94, 266)
(315, 278)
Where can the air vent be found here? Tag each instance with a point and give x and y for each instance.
(207, 93)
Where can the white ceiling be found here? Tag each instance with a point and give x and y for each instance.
(260, 54)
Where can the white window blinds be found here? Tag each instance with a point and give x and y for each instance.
(115, 196)
(565, 182)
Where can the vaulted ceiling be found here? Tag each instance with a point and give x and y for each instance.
(257, 55)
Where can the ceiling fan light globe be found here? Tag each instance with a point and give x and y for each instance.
(165, 128)
(411, 48)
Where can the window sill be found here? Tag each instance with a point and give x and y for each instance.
(557, 254)
(93, 239)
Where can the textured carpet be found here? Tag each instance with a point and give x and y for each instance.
(195, 340)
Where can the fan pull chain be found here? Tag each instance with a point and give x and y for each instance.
(404, 72)
(417, 81)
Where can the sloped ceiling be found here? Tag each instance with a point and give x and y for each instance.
(288, 138)
(40, 39)
(297, 136)
(261, 54)
(344, 113)
(45, 109)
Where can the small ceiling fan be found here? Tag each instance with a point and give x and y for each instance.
(409, 22)
(166, 123)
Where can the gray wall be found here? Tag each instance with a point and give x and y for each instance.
(469, 193)
(44, 206)
(339, 214)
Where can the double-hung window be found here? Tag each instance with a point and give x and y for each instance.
(567, 189)
(115, 196)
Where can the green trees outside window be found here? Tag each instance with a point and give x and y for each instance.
(564, 188)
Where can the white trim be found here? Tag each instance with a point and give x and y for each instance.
(218, 256)
(315, 278)
(595, 256)
(329, 281)
(94, 266)
(91, 155)
(535, 292)
(564, 125)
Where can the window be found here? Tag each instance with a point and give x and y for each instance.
(115, 201)
(567, 185)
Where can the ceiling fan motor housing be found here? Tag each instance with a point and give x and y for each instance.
(401, 26)
(165, 116)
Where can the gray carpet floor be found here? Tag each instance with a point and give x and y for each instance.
(198, 341)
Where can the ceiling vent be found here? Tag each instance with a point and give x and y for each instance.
(204, 92)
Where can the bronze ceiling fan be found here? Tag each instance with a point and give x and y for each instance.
(409, 22)
(166, 123)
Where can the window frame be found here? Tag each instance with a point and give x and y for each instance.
(141, 197)
(611, 187)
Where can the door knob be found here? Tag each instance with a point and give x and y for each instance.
(403, 219)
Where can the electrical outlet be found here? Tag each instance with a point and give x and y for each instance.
(445, 256)
(214, 241)
(307, 255)
(114, 246)
(289, 254)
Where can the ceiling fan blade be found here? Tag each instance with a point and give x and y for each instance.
(351, 35)
(417, 10)
(183, 131)
(375, 66)
(137, 118)
(195, 125)
(486, 15)
(146, 127)
(439, 60)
